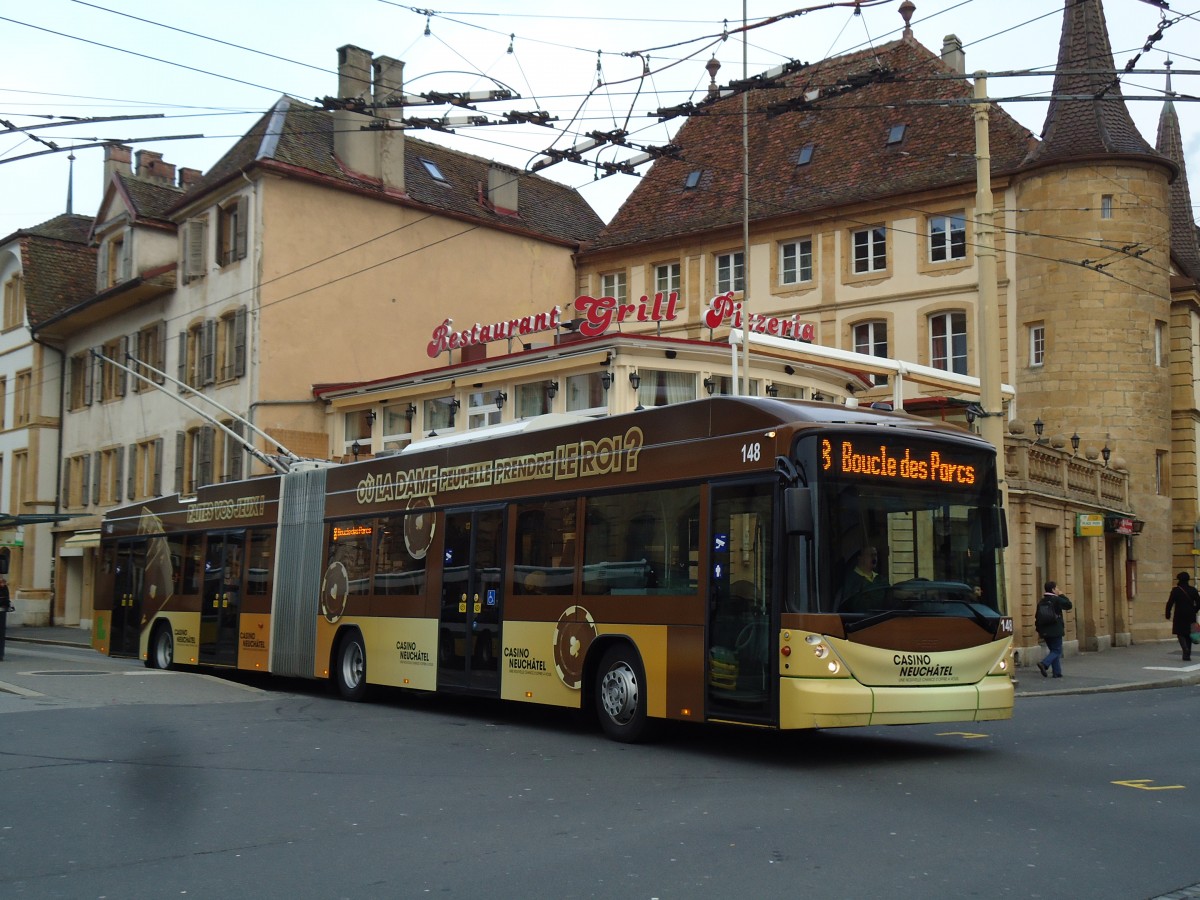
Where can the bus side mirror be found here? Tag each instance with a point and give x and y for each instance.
(797, 510)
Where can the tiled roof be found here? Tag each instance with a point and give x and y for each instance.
(305, 142)
(851, 159)
(1079, 128)
(58, 267)
(1183, 227)
(151, 200)
(67, 227)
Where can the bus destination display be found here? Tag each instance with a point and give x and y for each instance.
(895, 462)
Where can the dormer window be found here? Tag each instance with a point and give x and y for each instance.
(432, 168)
(896, 134)
(805, 155)
(693, 179)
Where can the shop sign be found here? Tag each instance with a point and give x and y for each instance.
(724, 309)
(1089, 524)
(1118, 525)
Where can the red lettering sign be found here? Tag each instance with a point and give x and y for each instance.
(600, 312)
(723, 308)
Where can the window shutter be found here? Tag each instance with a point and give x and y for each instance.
(180, 449)
(239, 343)
(158, 454)
(122, 378)
(209, 359)
(134, 349)
(95, 476)
(89, 377)
(65, 487)
(125, 263)
(194, 239)
(205, 468)
(236, 453)
(119, 465)
(102, 269)
(239, 237)
(181, 375)
(160, 361)
(69, 382)
(131, 487)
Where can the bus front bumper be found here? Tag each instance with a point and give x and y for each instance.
(843, 702)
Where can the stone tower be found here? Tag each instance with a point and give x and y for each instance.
(1092, 267)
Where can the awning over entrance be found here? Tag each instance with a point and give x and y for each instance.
(78, 542)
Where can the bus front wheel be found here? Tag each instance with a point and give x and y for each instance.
(350, 667)
(161, 653)
(621, 695)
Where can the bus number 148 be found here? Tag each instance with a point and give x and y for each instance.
(751, 452)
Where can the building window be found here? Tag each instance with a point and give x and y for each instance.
(796, 262)
(693, 179)
(107, 489)
(230, 460)
(613, 285)
(145, 469)
(1106, 206)
(80, 381)
(870, 250)
(197, 354)
(805, 155)
(871, 338)
(116, 264)
(231, 231)
(18, 487)
(194, 458)
(231, 345)
(77, 481)
(439, 414)
(483, 409)
(195, 249)
(432, 168)
(151, 351)
(532, 400)
(896, 133)
(658, 388)
(113, 380)
(14, 302)
(723, 385)
(948, 342)
(731, 272)
(1160, 343)
(397, 425)
(947, 238)
(23, 398)
(1037, 344)
(585, 393)
(1162, 474)
(666, 278)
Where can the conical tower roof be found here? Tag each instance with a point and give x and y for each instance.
(1169, 142)
(1100, 126)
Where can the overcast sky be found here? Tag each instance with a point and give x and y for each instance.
(211, 68)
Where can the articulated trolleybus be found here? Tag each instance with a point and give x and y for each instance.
(766, 562)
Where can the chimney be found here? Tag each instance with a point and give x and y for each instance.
(377, 154)
(389, 85)
(953, 55)
(117, 159)
(502, 189)
(150, 167)
(188, 177)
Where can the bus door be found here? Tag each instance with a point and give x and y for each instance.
(469, 630)
(222, 598)
(740, 672)
(126, 626)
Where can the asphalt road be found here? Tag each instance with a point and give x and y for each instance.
(137, 784)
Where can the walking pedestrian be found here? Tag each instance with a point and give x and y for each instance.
(1185, 601)
(1048, 620)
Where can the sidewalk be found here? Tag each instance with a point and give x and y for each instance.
(1151, 665)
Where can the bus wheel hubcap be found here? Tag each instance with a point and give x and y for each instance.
(619, 693)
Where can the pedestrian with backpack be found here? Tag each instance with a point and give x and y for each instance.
(1048, 620)
(1185, 601)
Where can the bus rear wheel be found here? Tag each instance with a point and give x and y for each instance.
(161, 653)
(350, 667)
(621, 695)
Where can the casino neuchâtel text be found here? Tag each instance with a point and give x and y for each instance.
(905, 464)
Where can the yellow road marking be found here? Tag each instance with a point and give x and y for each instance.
(1144, 784)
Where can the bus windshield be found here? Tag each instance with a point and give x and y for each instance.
(925, 542)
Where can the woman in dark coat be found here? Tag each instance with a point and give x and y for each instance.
(1185, 601)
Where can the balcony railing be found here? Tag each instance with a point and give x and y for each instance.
(1058, 472)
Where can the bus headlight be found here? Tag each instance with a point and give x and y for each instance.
(819, 648)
